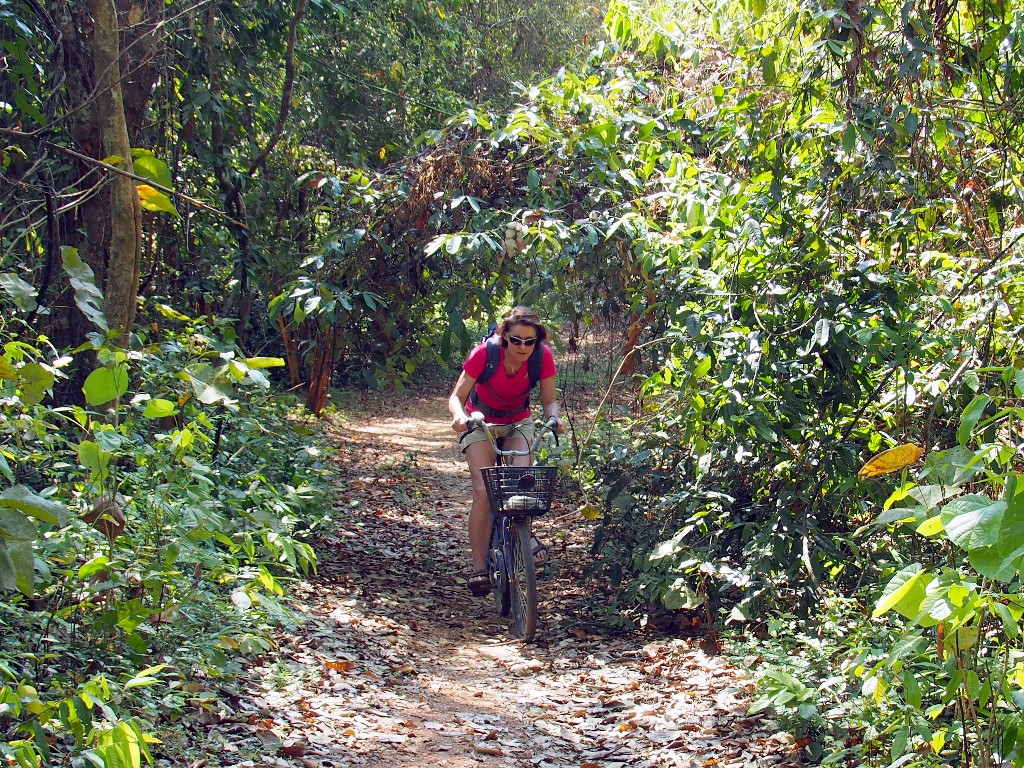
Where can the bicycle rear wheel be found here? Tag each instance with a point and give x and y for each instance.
(498, 568)
(522, 579)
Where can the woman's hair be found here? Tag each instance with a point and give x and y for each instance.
(523, 316)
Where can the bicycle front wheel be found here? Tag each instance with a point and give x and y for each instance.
(498, 568)
(523, 579)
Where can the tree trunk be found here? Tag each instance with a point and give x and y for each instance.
(323, 369)
(125, 213)
(108, 90)
(291, 353)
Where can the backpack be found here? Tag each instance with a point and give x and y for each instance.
(533, 365)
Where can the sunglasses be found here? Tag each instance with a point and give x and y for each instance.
(520, 342)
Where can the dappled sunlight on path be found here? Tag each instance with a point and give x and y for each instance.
(393, 663)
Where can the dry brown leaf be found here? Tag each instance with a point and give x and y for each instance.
(340, 666)
(293, 749)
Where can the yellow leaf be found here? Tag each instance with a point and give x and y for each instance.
(892, 460)
(589, 512)
(382, 153)
(153, 200)
(965, 637)
(930, 527)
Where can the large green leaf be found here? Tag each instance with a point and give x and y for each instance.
(931, 496)
(158, 408)
(154, 200)
(32, 504)
(905, 592)
(264, 362)
(91, 455)
(950, 467)
(8, 577)
(105, 384)
(1004, 560)
(88, 297)
(17, 570)
(149, 166)
(24, 294)
(34, 381)
(16, 525)
(973, 521)
(971, 415)
(23, 558)
(1002, 563)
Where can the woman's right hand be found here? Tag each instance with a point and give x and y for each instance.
(459, 424)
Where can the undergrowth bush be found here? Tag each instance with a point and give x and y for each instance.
(147, 536)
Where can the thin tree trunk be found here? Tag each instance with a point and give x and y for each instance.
(291, 353)
(122, 284)
(242, 299)
(323, 369)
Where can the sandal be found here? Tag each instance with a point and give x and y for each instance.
(540, 552)
(479, 583)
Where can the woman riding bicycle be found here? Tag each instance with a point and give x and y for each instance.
(496, 380)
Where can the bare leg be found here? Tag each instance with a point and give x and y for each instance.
(516, 442)
(479, 455)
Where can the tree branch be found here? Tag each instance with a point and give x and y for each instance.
(286, 92)
(142, 179)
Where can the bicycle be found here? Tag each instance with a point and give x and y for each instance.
(516, 494)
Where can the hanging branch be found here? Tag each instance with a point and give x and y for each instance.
(286, 92)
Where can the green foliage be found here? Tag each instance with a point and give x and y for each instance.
(808, 216)
(967, 592)
(163, 519)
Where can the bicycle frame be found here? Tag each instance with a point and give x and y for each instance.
(477, 421)
(510, 555)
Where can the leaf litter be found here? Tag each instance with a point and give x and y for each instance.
(392, 662)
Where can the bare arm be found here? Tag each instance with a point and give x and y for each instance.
(458, 396)
(549, 400)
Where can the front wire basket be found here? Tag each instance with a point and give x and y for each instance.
(520, 490)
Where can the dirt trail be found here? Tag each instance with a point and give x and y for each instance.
(395, 664)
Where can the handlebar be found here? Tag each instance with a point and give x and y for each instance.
(478, 420)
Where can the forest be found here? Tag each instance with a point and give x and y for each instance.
(795, 226)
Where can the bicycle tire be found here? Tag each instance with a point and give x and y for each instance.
(498, 569)
(522, 576)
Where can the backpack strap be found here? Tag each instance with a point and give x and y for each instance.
(534, 364)
(493, 358)
(491, 365)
